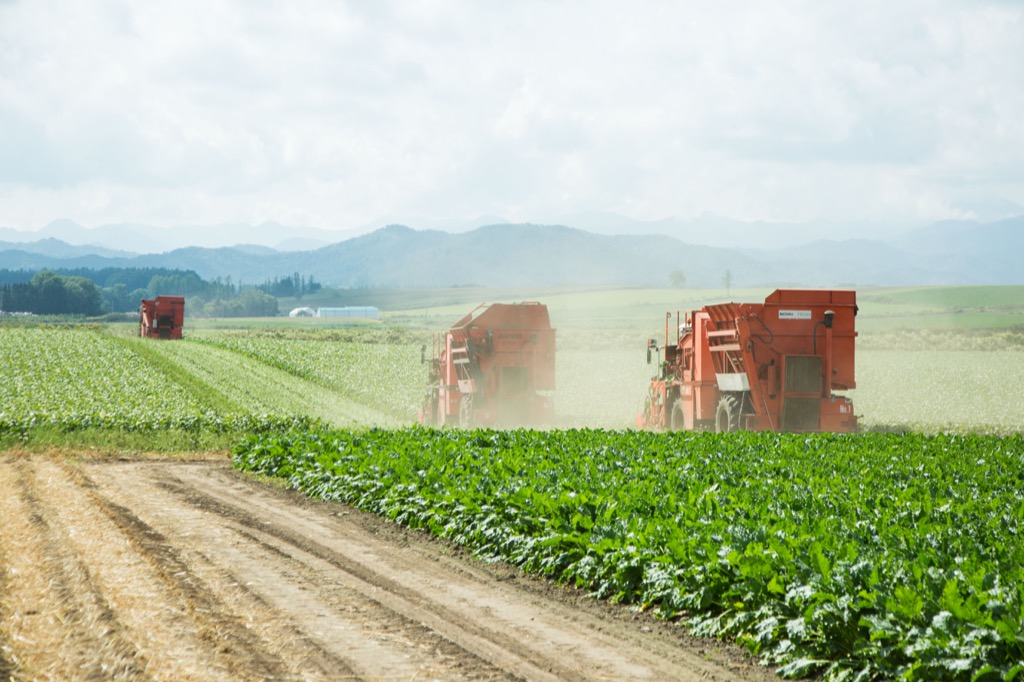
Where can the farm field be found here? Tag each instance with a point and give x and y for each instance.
(179, 570)
(82, 377)
(869, 555)
(134, 436)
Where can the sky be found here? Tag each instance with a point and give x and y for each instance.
(342, 114)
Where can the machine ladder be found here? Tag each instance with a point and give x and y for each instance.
(724, 339)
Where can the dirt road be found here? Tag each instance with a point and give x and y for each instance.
(185, 570)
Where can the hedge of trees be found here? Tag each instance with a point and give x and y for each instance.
(48, 293)
(94, 292)
(294, 286)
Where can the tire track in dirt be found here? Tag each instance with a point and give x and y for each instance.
(216, 624)
(92, 640)
(180, 641)
(113, 611)
(6, 665)
(348, 627)
(493, 646)
(224, 626)
(171, 570)
(526, 634)
(447, 661)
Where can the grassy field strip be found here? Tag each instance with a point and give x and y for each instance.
(941, 389)
(262, 388)
(597, 386)
(386, 376)
(204, 388)
(950, 297)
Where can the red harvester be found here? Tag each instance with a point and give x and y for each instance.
(162, 317)
(769, 366)
(488, 368)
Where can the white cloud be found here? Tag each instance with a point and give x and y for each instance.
(338, 114)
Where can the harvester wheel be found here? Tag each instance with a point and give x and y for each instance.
(727, 417)
(466, 411)
(677, 420)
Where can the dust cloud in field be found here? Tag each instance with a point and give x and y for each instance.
(940, 380)
(940, 359)
(602, 378)
(601, 370)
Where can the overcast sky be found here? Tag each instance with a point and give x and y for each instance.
(346, 114)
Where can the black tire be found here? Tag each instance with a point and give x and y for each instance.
(727, 416)
(677, 419)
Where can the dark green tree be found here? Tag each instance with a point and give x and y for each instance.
(677, 278)
(52, 294)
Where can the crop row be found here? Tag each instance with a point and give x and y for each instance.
(200, 422)
(855, 557)
(386, 376)
(49, 371)
(74, 379)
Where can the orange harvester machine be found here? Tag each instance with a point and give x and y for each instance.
(488, 368)
(771, 366)
(162, 317)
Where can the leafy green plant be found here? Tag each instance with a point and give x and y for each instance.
(850, 556)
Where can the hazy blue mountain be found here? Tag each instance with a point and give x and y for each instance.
(18, 259)
(706, 229)
(714, 230)
(453, 225)
(519, 255)
(968, 237)
(551, 255)
(146, 239)
(57, 248)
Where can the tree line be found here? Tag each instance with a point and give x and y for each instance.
(294, 286)
(48, 293)
(83, 291)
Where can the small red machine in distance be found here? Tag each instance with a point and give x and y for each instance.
(488, 368)
(771, 366)
(162, 317)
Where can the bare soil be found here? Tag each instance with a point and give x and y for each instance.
(186, 570)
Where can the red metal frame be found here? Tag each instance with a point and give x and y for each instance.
(772, 366)
(488, 368)
(162, 317)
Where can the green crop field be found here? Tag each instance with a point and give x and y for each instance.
(855, 557)
(917, 367)
(85, 385)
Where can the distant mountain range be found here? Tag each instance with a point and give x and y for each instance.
(706, 229)
(146, 239)
(507, 255)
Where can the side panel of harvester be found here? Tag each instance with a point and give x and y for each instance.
(489, 368)
(772, 366)
(162, 317)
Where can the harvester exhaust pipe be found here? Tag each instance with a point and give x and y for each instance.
(652, 344)
(829, 319)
